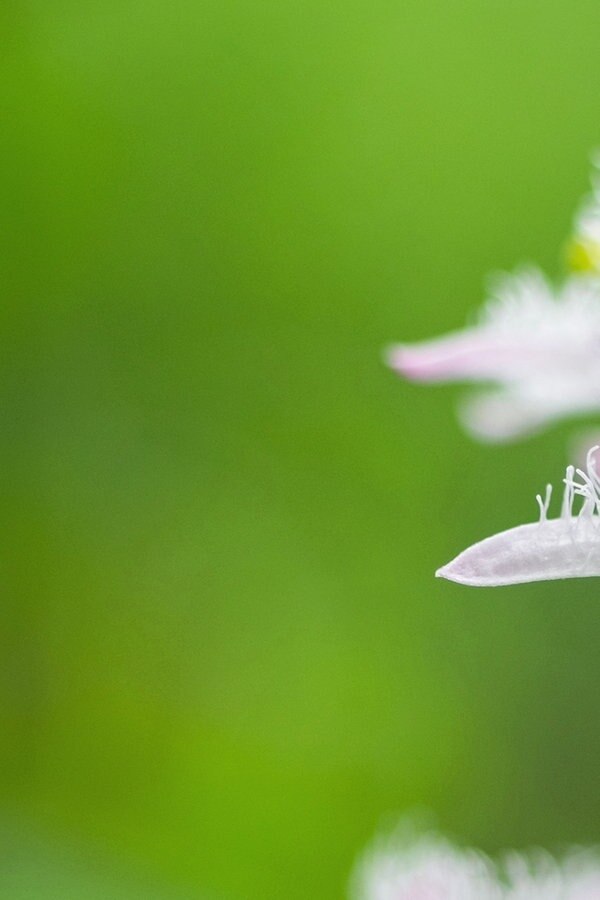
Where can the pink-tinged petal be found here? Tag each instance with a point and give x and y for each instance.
(543, 551)
(470, 355)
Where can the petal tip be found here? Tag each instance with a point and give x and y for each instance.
(392, 356)
(407, 361)
(447, 573)
(457, 573)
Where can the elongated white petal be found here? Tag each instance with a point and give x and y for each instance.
(566, 547)
(462, 356)
(547, 551)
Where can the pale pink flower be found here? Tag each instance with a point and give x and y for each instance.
(405, 866)
(565, 547)
(539, 348)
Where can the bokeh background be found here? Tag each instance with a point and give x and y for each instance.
(224, 657)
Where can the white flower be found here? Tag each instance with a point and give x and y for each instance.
(408, 867)
(540, 347)
(403, 867)
(566, 547)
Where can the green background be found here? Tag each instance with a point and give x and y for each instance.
(224, 657)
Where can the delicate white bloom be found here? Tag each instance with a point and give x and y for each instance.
(407, 867)
(566, 547)
(403, 867)
(540, 347)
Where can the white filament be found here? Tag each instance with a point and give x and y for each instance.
(545, 503)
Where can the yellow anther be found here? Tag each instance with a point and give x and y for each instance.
(583, 255)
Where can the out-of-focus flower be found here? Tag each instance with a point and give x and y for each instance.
(403, 867)
(538, 346)
(409, 867)
(566, 547)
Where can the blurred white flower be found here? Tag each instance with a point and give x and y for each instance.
(566, 547)
(539, 346)
(405, 866)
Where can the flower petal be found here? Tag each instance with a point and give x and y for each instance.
(469, 355)
(502, 415)
(412, 867)
(543, 551)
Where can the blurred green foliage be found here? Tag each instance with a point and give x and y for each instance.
(224, 656)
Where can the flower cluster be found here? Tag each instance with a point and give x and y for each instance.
(537, 348)
(407, 867)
